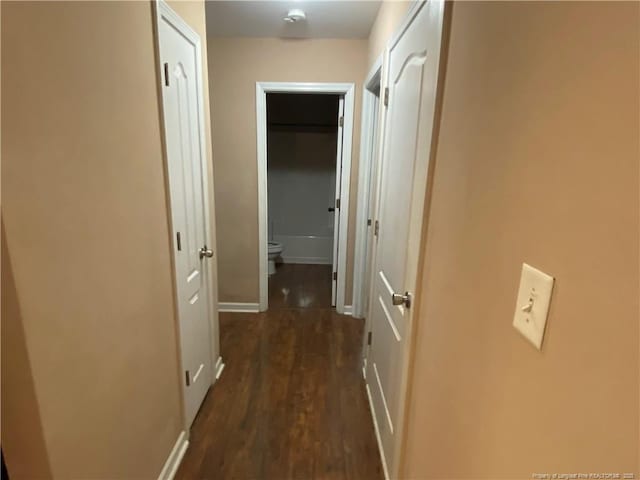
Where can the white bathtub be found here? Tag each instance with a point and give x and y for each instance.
(306, 249)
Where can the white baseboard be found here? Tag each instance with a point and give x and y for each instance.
(238, 307)
(175, 457)
(375, 427)
(348, 310)
(219, 368)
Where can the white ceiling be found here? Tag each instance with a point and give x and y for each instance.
(325, 19)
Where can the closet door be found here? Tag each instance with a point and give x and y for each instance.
(413, 73)
(182, 103)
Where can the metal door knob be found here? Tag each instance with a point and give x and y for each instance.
(399, 299)
(205, 252)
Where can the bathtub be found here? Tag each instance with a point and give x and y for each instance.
(306, 249)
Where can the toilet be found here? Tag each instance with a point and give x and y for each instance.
(275, 249)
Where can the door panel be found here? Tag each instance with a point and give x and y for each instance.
(369, 213)
(337, 211)
(183, 135)
(413, 69)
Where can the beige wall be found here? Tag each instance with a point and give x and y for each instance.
(537, 161)
(89, 354)
(390, 16)
(235, 65)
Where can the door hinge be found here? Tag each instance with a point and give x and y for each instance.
(376, 228)
(166, 74)
(187, 378)
(369, 338)
(341, 122)
(178, 241)
(337, 203)
(386, 96)
(368, 222)
(335, 275)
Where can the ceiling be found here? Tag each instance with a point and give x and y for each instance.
(325, 19)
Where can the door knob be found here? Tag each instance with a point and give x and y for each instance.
(205, 252)
(399, 299)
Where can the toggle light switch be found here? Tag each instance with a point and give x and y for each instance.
(532, 305)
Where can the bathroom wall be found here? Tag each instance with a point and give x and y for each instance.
(301, 156)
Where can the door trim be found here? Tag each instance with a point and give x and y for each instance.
(262, 88)
(370, 154)
(163, 12)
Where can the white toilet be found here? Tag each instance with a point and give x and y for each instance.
(275, 249)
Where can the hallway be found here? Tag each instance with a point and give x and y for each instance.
(291, 402)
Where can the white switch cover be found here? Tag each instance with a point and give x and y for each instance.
(532, 306)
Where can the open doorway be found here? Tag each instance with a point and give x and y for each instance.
(304, 141)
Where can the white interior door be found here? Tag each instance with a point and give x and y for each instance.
(368, 213)
(413, 71)
(337, 211)
(368, 247)
(182, 104)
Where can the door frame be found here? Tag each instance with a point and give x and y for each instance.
(262, 88)
(370, 154)
(163, 12)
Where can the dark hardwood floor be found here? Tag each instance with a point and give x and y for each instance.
(300, 286)
(291, 402)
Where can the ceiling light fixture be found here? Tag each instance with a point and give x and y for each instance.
(295, 15)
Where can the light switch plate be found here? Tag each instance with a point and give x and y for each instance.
(532, 306)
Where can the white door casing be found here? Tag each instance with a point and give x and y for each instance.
(414, 57)
(183, 120)
(372, 120)
(338, 210)
(374, 204)
(347, 90)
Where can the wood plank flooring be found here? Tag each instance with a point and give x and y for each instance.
(291, 402)
(300, 286)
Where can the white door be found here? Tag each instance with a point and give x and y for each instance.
(368, 247)
(336, 217)
(413, 72)
(368, 213)
(182, 103)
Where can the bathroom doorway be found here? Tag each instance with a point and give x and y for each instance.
(303, 168)
(304, 138)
